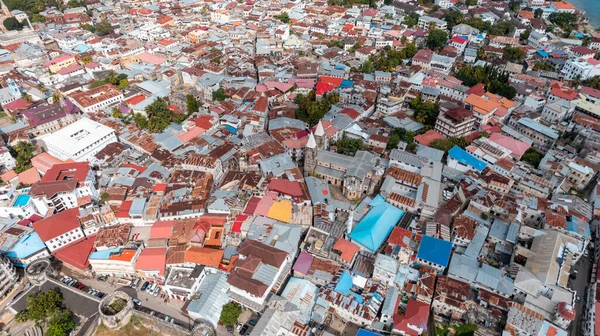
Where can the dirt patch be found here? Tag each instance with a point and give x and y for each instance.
(135, 327)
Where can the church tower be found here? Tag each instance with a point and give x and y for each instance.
(320, 135)
(310, 155)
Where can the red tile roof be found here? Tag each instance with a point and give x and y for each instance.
(58, 224)
(162, 229)
(151, 259)
(426, 138)
(347, 249)
(67, 171)
(77, 254)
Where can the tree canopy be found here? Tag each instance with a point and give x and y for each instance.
(496, 81)
(400, 134)
(453, 18)
(411, 19)
(425, 112)
(565, 21)
(12, 24)
(336, 43)
(230, 314)
(23, 153)
(219, 95)
(104, 28)
(532, 157)
(110, 78)
(283, 17)
(513, 54)
(446, 144)
(388, 59)
(47, 308)
(310, 109)
(437, 39)
(593, 82)
(349, 146)
(191, 104)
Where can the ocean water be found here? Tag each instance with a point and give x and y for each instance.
(592, 8)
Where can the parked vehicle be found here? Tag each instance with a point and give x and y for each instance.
(252, 322)
(144, 286)
(156, 291)
(244, 329)
(239, 326)
(135, 283)
(137, 302)
(577, 299)
(102, 278)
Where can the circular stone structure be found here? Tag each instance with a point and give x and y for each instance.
(116, 310)
(40, 270)
(203, 328)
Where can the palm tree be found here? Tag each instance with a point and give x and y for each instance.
(576, 81)
(27, 97)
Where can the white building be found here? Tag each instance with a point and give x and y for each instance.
(8, 276)
(580, 68)
(79, 141)
(119, 262)
(60, 230)
(7, 162)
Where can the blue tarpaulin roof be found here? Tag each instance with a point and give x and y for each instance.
(435, 251)
(376, 226)
(363, 332)
(346, 83)
(231, 129)
(579, 226)
(345, 284)
(463, 157)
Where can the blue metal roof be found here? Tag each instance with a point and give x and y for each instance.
(344, 284)
(363, 332)
(377, 224)
(104, 255)
(435, 251)
(579, 226)
(463, 157)
(26, 246)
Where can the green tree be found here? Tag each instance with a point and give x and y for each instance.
(349, 146)
(532, 157)
(41, 307)
(453, 18)
(425, 112)
(437, 39)
(336, 43)
(89, 27)
(593, 82)
(123, 84)
(367, 67)
(230, 314)
(192, 104)
(441, 144)
(37, 18)
(356, 46)
(12, 24)
(23, 152)
(86, 59)
(61, 324)
(411, 19)
(159, 116)
(219, 95)
(75, 4)
(283, 17)
(538, 13)
(566, 21)
(104, 28)
(525, 35)
(471, 2)
(513, 54)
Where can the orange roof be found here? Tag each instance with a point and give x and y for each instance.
(9, 175)
(481, 105)
(204, 256)
(152, 259)
(426, 138)
(44, 161)
(135, 99)
(563, 5)
(526, 14)
(30, 176)
(347, 249)
(125, 255)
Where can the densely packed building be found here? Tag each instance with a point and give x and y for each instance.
(406, 167)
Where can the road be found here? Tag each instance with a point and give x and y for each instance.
(583, 267)
(149, 302)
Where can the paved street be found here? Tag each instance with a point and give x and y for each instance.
(580, 285)
(157, 304)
